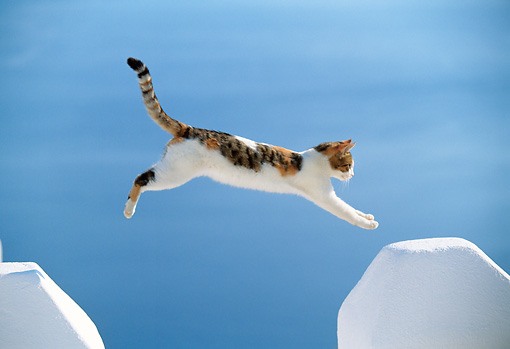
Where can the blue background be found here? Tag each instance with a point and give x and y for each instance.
(423, 87)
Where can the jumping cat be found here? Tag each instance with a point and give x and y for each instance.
(240, 162)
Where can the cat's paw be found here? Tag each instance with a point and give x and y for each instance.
(365, 215)
(129, 209)
(369, 224)
(373, 224)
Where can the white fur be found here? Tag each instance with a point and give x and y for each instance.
(248, 142)
(189, 159)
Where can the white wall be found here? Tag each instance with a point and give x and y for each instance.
(36, 313)
(431, 293)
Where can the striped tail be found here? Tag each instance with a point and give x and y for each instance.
(177, 128)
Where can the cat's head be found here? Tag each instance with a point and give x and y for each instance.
(339, 158)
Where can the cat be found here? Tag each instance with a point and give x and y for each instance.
(240, 162)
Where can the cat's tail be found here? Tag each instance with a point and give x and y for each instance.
(177, 128)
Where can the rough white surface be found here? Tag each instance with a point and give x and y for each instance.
(431, 293)
(36, 313)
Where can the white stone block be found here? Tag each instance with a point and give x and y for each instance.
(36, 313)
(431, 293)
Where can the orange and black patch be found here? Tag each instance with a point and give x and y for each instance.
(140, 181)
(341, 162)
(240, 154)
(286, 161)
(212, 143)
(332, 148)
(338, 154)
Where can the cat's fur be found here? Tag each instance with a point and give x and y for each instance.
(240, 162)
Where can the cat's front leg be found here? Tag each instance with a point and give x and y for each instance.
(360, 219)
(333, 204)
(355, 217)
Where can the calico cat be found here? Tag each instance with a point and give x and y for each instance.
(240, 162)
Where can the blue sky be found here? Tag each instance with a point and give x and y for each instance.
(422, 87)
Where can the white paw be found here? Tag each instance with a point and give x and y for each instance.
(373, 224)
(365, 215)
(129, 210)
(369, 224)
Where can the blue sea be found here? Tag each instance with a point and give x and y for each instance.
(422, 87)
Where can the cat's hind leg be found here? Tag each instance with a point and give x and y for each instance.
(160, 177)
(138, 187)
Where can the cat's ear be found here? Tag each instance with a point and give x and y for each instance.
(344, 146)
(349, 146)
(341, 147)
(333, 148)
